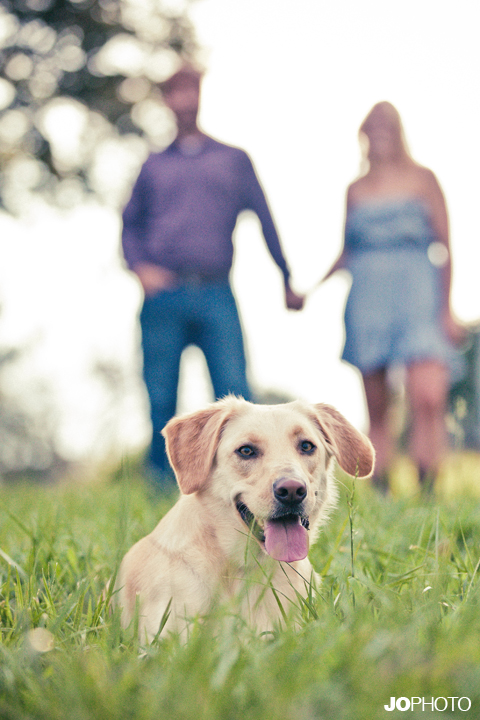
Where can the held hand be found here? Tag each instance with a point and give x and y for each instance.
(155, 278)
(292, 300)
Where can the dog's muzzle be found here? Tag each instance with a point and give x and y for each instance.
(284, 535)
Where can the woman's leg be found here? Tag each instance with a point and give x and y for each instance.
(427, 388)
(377, 396)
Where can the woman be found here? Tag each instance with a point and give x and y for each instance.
(398, 311)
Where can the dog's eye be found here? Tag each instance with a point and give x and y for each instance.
(307, 447)
(246, 451)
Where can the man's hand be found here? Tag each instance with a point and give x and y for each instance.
(292, 300)
(155, 278)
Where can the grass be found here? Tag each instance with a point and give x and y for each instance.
(397, 614)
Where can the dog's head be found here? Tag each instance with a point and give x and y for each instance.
(270, 464)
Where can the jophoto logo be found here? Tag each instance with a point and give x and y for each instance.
(439, 704)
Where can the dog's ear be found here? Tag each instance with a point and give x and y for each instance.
(192, 441)
(353, 450)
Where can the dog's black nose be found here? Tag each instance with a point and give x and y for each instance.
(289, 492)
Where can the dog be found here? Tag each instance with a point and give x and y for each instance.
(256, 483)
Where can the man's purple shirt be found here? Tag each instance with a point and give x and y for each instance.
(184, 208)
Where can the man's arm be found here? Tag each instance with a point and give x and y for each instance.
(153, 278)
(134, 218)
(255, 200)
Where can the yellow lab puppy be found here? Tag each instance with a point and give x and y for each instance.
(256, 484)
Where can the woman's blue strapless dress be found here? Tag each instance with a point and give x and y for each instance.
(392, 314)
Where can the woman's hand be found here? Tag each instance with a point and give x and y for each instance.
(456, 332)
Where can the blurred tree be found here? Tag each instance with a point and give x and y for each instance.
(78, 93)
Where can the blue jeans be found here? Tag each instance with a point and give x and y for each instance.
(202, 314)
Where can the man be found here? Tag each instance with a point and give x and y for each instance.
(177, 238)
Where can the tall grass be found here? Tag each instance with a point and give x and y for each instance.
(397, 614)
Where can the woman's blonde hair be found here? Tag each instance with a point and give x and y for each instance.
(387, 112)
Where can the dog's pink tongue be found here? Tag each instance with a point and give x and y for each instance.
(286, 539)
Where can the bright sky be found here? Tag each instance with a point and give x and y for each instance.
(290, 81)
